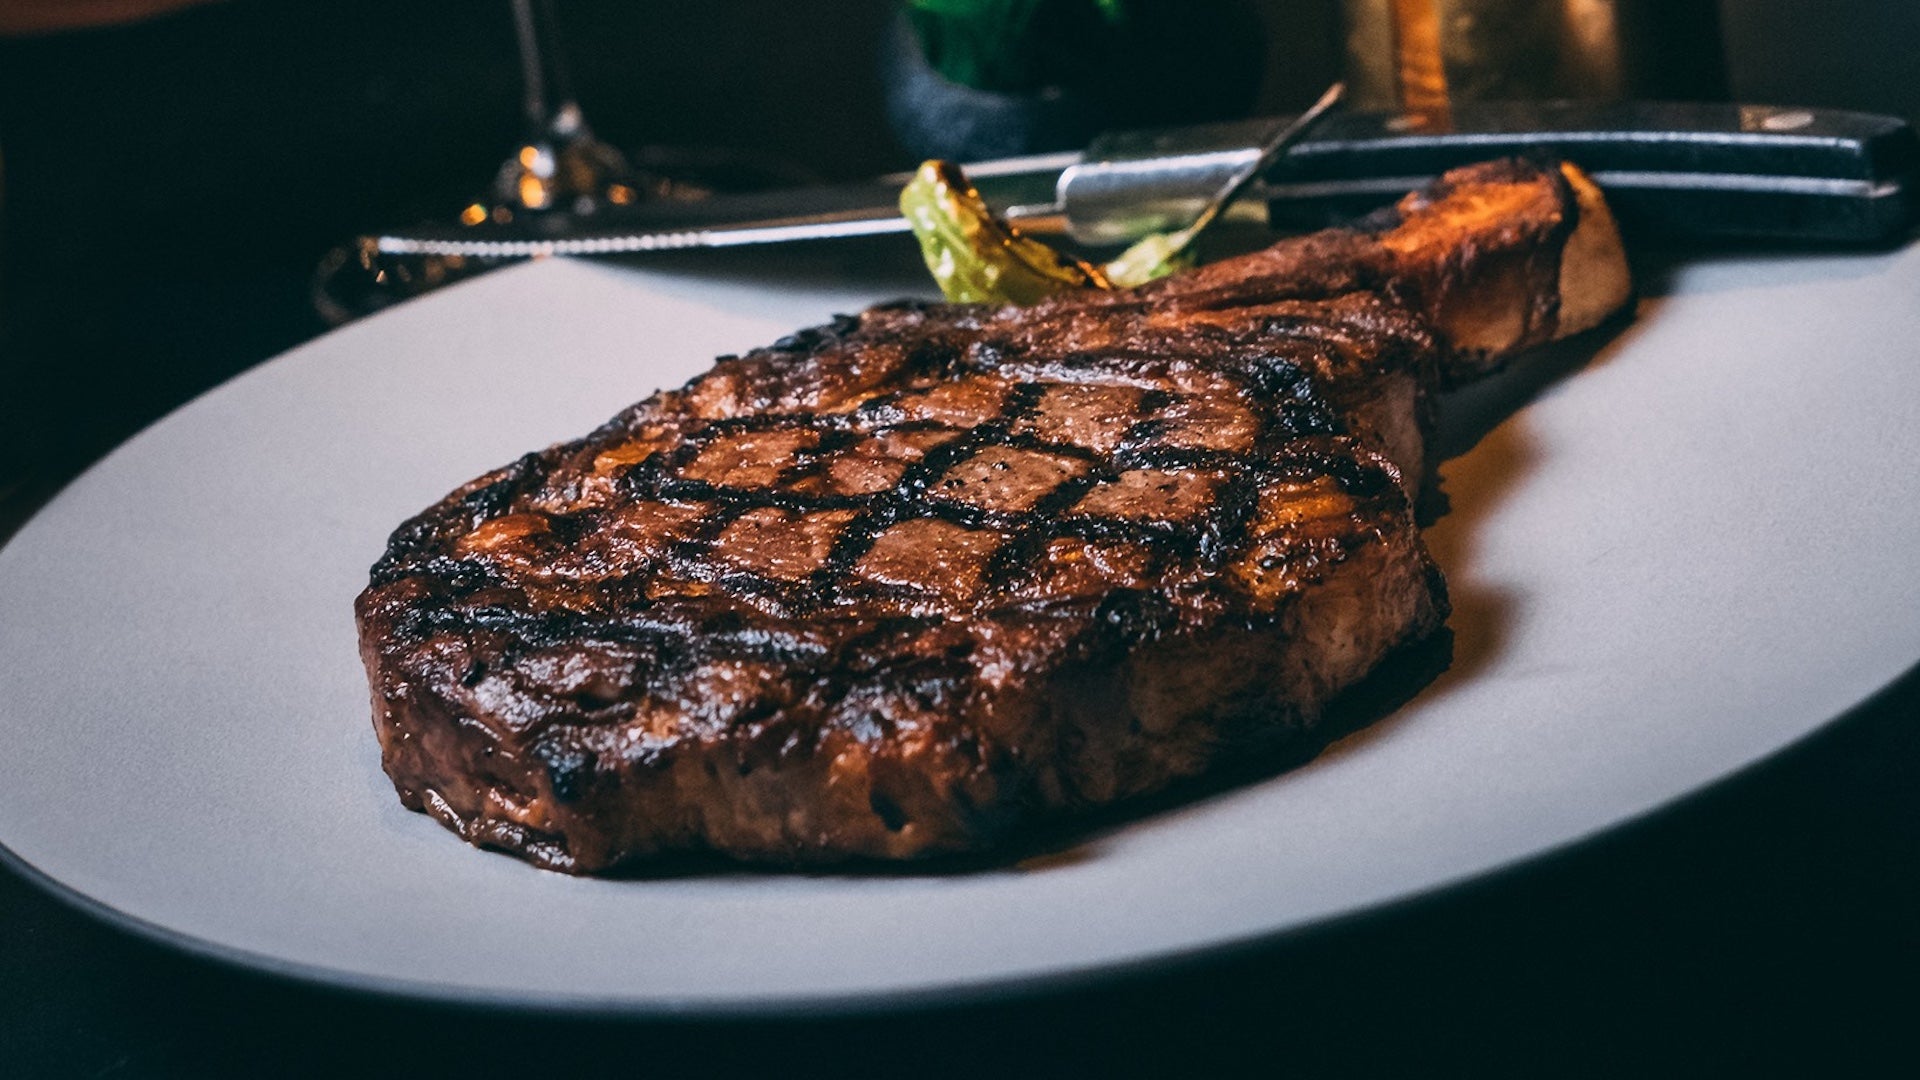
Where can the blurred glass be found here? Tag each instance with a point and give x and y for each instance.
(560, 174)
(1420, 55)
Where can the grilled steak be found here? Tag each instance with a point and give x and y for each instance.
(893, 585)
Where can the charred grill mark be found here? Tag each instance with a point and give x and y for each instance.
(1142, 438)
(1297, 418)
(888, 811)
(1180, 458)
(1024, 441)
(741, 500)
(663, 642)
(885, 509)
(494, 499)
(569, 529)
(811, 463)
(1277, 378)
(931, 358)
(909, 494)
(423, 536)
(458, 577)
(1029, 536)
(1234, 506)
(768, 421)
(848, 548)
(1358, 478)
(931, 469)
(1124, 616)
(719, 515)
(1152, 401)
(569, 768)
(814, 338)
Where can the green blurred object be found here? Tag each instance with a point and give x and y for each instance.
(1125, 47)
(971, 80)
(1015, 46)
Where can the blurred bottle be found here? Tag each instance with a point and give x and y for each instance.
(1420, 55)
(976, 79)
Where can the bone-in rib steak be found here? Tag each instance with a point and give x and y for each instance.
(892, 586)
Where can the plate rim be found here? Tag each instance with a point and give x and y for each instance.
(845, 1003)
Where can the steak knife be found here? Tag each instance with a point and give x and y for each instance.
(1695, 171)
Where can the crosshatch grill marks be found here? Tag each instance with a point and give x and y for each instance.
(997, 486)
(788, 509)
(871, 464)
(909, 495)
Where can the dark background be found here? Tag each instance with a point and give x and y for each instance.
(168, 187)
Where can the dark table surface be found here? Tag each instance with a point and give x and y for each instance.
(1764, 926)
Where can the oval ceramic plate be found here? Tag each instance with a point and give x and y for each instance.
(1689, 546)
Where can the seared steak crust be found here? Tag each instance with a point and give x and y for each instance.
(894, 584)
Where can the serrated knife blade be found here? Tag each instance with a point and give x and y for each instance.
(1688, 170)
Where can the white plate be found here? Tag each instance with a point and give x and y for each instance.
(1680, 557)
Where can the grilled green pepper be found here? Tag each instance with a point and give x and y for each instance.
(976, 257)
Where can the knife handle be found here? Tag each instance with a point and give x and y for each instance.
(1684, 169)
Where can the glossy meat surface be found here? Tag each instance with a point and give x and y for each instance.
(893, 586)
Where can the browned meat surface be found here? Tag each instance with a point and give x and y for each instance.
(892, 586)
